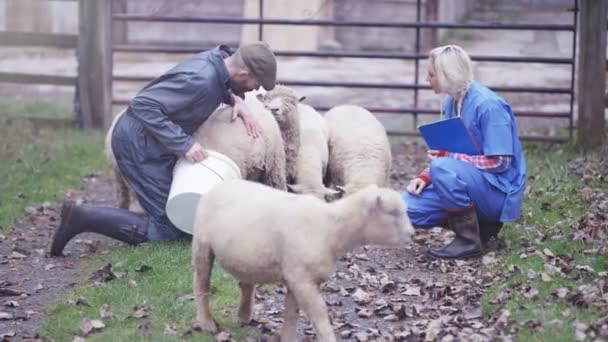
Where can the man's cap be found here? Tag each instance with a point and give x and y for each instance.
(260, 60)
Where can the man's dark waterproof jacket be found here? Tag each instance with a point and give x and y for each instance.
(157, 129)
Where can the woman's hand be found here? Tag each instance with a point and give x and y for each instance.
(240, 110)
(434, 154)
(416, 185)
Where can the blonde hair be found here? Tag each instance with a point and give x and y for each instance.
(453, 68)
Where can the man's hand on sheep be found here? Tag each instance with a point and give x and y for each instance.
(196, 153)
(416, 185)
(241, 110)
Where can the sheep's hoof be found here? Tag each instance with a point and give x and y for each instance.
(208, 326)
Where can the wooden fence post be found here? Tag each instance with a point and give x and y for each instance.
(95, 67)
(591, 73)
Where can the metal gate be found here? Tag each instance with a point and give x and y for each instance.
(415, 86)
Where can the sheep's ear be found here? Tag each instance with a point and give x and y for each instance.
(260, 97)
(302, 99)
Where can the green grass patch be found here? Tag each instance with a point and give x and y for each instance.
(36, 109)
(558, 196)
(39, 165)
(161, 289)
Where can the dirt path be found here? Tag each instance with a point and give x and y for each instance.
(375, 292)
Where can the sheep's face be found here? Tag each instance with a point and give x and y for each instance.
(281, 102)
(388, 223)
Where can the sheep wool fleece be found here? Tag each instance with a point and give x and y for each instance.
(457, 184)
(157, 129)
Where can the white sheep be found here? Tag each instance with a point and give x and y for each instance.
(281, 237)
(282, 102)
(359, 150)
(312, 158)
(261, 159)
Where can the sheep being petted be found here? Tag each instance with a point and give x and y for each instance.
(286, 238)
(282, 102)
(359, 150)
(261, 159)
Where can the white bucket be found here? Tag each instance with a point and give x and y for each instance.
(191, 181)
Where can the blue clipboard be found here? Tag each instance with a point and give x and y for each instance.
(450, 135)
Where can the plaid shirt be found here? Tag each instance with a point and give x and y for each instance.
(493, 164)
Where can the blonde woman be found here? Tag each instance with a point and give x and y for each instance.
(470, 195)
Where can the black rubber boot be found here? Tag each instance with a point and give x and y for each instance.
(467, 242)
(119, 224)
(489, 230)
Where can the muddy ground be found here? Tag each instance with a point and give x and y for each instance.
(375, 293)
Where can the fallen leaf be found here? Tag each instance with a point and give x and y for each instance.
(186, 297)
(11, 304)
(545, 277)
(488, 259)
(222, 337)
(532, 274)
(531, 294)
(548, 253)
(7, 335)
(89, 326)
(139, 312)
(103, 274)
(391, 318)
(78, 301)
(78, 339)
(361, 297)
(143, 268)
(432, 330)
(365, 313)
(17, 255)
(170, 329)
(105, 311)
(361, 337)
(411, 291)
(5, 316)
(145, 328)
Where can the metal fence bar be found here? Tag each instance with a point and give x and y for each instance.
(341, 54)
(572, 84)
(411, 86)
(326, 22)
(417, 61)
(422, 111)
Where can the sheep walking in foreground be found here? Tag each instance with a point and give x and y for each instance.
(286, 238)
(359, 150)
(282, 102)
(311, 162)
(262, 159)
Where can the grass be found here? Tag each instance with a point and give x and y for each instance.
(552, 208)
(38, 164)
(37, 109)
(160, 289)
